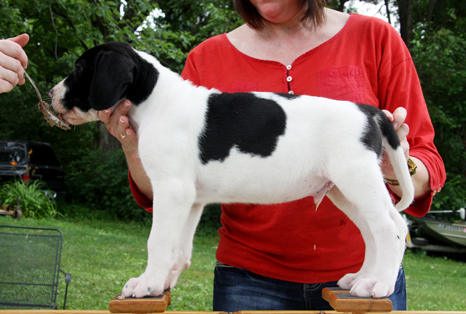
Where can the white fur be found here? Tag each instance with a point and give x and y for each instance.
(320, 153)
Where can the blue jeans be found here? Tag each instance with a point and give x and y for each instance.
(240, 290)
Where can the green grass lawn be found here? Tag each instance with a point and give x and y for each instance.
(435, 283)
(102, 256)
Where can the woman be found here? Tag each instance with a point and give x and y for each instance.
(13, 61)
(279, 257)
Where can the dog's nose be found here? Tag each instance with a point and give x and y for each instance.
(51, 93)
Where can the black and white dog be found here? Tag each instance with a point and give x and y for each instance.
(202, 146)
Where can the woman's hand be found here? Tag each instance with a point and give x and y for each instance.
(402, 129)
(421, 179)
(13, 61)
(117, 124)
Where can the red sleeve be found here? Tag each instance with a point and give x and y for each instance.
(189, 71)
(399, 86)
(140, 198)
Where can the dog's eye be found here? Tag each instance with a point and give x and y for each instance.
(78, 69)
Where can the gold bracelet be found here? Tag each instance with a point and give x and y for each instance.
(412, 167)
(412, 171)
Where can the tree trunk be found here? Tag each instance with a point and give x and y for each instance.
(405, 10)
(430, 13)
(104, 140)
(387, 7)
(341, 5)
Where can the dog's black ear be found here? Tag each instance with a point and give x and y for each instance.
(113, 73)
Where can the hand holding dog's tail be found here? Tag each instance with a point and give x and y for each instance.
(398, 160)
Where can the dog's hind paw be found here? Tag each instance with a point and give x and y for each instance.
(382, 289)
(366, 287)
(371, 287)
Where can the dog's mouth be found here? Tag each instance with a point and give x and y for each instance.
(51, 117)
(47, 110)
(62, 118)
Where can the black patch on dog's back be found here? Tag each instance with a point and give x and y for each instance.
(371, 137)
(250, 123)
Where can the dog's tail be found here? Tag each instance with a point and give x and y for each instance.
(392, 146)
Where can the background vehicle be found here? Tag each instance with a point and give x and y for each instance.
(431, 233)
(31, 161)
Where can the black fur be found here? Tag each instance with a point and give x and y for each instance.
(378, 122)
(288, 96)
(105, 74)
(250, 123)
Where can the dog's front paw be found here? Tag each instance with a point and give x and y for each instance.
(362, 287)
(347, 281)
(142, 286)
(366, 287)
(175, 273)
(383, 287)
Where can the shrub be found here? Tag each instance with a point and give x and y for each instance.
(35, 202)
(99, 181)
(210, 217)
(439, 58)
(98, 187)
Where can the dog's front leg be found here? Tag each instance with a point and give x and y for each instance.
(185, 246)
(172, 204)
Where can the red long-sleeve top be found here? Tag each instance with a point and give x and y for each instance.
(366, 62)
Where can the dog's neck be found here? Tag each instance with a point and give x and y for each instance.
(141, 88)
(144, 81)
(154, 85)
(150, 78)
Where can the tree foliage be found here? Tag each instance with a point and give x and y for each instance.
(434, 32)
(61, 30)
(439, 55)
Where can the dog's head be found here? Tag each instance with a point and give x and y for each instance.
(103, 76)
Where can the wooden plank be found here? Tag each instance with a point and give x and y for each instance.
(346, 312)
(53, 312)
(93, 312)
(143, 305)
(326, 292)
(282, 312)
(342, 301)
(205, 312)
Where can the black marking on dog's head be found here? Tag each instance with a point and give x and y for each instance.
(377, 122)
(250, 123)
(105, 74)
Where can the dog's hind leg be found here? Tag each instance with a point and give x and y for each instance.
(344, 205)
(367, 203)
(172, 205)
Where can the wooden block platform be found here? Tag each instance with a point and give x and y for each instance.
(343, 301)
(144, 305)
